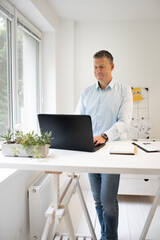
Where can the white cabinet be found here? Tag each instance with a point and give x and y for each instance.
(138, 184)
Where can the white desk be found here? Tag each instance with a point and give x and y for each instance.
(98, 162)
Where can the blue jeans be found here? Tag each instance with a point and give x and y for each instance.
(104, 188)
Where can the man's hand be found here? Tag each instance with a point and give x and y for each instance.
(98, 140)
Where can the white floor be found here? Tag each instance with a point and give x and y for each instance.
(133, 211)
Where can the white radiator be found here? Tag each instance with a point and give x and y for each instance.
(40, 197)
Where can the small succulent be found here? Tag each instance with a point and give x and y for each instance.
(8, 136)
(28, 139)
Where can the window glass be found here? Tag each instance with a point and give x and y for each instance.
(4, 100)
(28, 68)
(26, 94)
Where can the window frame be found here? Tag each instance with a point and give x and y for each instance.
(36, 32)
(10, 75)
(9, 24)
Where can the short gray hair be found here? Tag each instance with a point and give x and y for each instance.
(102, 54)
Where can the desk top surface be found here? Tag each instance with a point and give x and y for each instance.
(98, 162)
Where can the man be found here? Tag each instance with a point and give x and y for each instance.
(109, 104)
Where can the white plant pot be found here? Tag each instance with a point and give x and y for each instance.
(17, 150)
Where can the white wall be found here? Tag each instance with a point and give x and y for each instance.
(58, 69)
(48, 88)
(65, 70)
(135, 46)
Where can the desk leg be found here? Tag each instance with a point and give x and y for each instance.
(150, 215)
(86, 212)
(51, 211)
(70, 187)
(69, 224)
(56, 189)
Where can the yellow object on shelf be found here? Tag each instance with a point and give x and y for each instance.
(137, 94)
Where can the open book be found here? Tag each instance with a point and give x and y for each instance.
(124, 148)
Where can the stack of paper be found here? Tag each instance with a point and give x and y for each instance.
(148, 146)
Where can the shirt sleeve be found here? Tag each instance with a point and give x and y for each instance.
(124, 116)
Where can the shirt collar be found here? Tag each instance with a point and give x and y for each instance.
(110, 85)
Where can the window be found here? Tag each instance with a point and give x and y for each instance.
(5, 74)
(27, 78)
(19, 73)
(19, 67)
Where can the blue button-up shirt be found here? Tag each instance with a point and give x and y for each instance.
(110, 109)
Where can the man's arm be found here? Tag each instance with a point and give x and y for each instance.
(124, 118)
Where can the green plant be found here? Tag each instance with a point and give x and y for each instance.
(28, 139)
(16, 151)
(36, 152)
(19, 137)
(8, 136)
(45, 137)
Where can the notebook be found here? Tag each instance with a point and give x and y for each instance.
(71, 132)
(124, 149)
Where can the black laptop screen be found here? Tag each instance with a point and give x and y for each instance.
(72, 132)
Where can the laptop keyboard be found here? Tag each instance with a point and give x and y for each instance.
(99, 146)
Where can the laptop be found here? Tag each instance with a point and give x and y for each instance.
(70, 132)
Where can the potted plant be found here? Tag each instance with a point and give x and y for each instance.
(26, 145)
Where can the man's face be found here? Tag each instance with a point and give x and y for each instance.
(102, 69)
